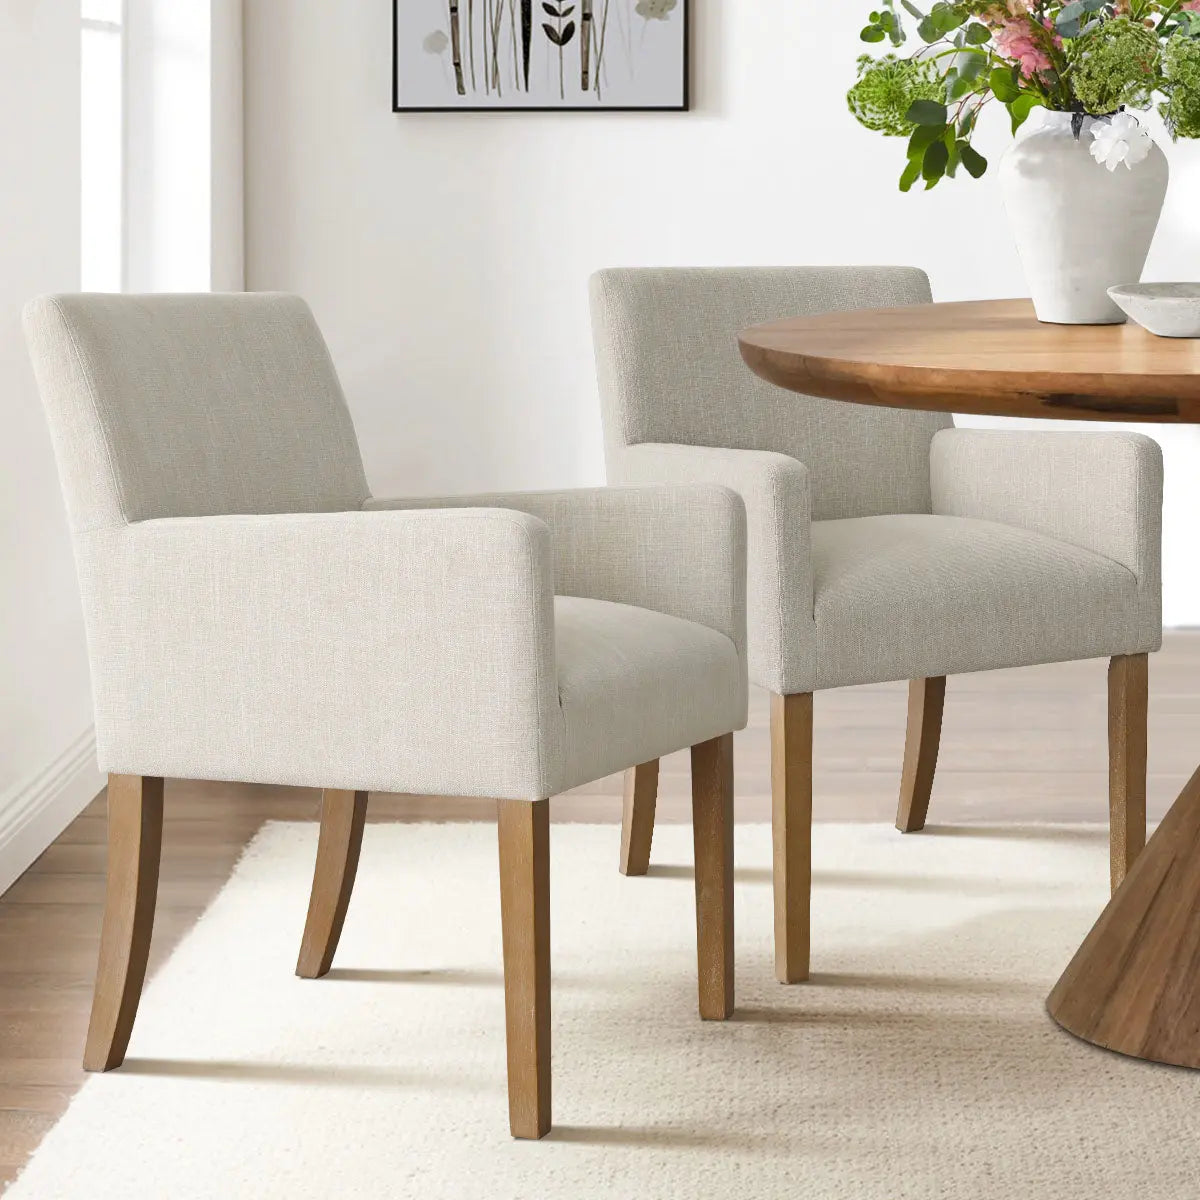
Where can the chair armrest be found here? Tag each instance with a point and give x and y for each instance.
(775, 489)
(676, 550)
(1101, 491)
(379, 651)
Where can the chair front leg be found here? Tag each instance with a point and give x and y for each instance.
(1128, 705)
(712, 831)
(637, 821)
(525, 917)
(343, 815)
(926, 700)
(791, 831)
(135, 816)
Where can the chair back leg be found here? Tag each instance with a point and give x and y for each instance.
(135, 816)
(712, 831)
(791, 831)
(343, 815)
(637, 821)
(926, 700)
(1128, 706)
(524, 829)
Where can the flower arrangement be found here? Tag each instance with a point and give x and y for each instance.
(1092, 58)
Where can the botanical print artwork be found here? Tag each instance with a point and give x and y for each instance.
(539, 54)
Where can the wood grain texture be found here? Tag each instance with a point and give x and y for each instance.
(525, 916)
(712, 832)
(926, 701)
(343, 815)
(1128, 714)
(637, 817)
(135, 821)
(1132, 985)
(791, 831)
(983, 357)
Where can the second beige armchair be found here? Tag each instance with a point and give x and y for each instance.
(883, 545)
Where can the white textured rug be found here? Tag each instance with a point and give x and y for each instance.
(917, 1063)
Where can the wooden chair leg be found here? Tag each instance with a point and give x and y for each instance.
(343, 815)
(637, 823)
(791, 830)
(525, 917)
(926, 699)
(712, 830)
(1128, 704)
(135, 815)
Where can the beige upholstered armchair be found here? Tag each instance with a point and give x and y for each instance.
(883, 544)
(252, 614)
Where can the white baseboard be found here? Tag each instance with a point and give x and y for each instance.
(33, 813)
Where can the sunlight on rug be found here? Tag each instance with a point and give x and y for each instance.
(918, 1062)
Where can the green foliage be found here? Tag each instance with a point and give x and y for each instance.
(887, 89)
(885, 23)
(1181, 110)
(942, 19)
(1118, 63)
(1077, 56)
(1073, 19)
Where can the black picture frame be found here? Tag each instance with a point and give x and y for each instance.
(600, 109)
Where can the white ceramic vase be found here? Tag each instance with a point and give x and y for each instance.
(1080, 228)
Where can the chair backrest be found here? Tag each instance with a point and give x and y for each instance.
(186, 406)
(670, 371)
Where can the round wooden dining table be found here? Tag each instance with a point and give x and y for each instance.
(1134, 984)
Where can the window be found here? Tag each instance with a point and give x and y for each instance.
(102, 230)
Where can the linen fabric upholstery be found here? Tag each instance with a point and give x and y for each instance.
(1102, 491)
(632, 681)
(779, 596)
(184, 406)
(1055, 552)
(670, 370)
(374, 651)
(252, 615)
(677, 550)
(908, 597)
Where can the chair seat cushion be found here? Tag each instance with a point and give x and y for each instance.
(908, 597)
(634, 685)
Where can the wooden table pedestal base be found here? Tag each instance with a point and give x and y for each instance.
(1134, 984)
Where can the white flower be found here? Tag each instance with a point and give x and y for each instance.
(1118, 139)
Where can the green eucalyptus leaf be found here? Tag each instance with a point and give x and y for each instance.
(1004, 86)
(933, 165)
(872, 33)
(976, 34)
(927, 112)
(971, 64)
(922, 138)
(974, 162)
(1021, 107)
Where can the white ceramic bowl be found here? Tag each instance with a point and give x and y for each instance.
(1167, 309)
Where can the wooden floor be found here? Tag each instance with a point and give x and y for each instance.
(1017, 746)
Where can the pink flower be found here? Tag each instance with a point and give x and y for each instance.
(1191, 5)
(1016, 39)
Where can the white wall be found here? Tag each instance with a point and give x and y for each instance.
(47, 762)
(447, 256)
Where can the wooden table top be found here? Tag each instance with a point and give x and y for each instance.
(986, 357)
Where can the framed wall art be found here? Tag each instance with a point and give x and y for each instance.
(539, 55)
